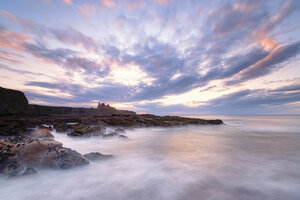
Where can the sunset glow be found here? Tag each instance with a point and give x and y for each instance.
(192, 57)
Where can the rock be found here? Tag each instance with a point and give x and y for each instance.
(19, 153)
(87, 130)
(110, 134)
(11, 127)
(96, 156)
(43, 132)
(119, 130)
(46, 127)
(29, 171)
(60, 126)
(12, 102)
(123, 136)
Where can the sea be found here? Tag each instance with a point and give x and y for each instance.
(247, 158)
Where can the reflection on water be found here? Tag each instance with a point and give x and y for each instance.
(248, 158)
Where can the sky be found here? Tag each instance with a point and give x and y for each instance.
(183, 57)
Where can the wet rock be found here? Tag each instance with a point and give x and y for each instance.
(123, 136)
(60, 126)
(87, 130)
(97, 156)
(119, 130)
(19, 153)
(29, 171)
(110, 134)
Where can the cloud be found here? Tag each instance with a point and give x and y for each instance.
(23, 72)
(266, 100)
(263, 33)
(41, 33)
(67, 58)
(289, 88)
(68, 1)
(109, 3)
(142, 51)
(162, 2)
(268, 64)
(81, 94)
(12, 40)
(87, 9)
(236, 17)
(135, 4)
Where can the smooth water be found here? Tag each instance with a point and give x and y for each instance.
(251, 157)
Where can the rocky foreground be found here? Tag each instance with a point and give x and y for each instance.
(27, 145)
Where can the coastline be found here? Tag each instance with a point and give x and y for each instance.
(28, 145)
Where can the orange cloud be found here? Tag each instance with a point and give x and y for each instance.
(109, 3)
(68, 1)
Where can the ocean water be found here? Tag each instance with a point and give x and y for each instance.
(250, 157)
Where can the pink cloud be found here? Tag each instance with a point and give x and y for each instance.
(262, 35)
(12, 40)
(132, 5)
(109, 3)
(162, 2)
(68, 1)
(87, 9)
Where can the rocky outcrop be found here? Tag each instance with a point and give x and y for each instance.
(23, 155)
(12, 102)
(147, 120)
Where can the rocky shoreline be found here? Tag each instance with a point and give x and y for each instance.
(27, 144)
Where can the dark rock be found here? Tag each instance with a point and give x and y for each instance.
(10, 127)
(60, 126)
(110, 134)
(19, 153)
(119, 130)
(29, 171)
(87, 130)
(123, 136)
(96, 156)
(12, 102)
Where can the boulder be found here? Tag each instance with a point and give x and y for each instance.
(12, 102)
(96, 156)
(17, 154)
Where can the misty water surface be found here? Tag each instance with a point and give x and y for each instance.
(248, 158)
